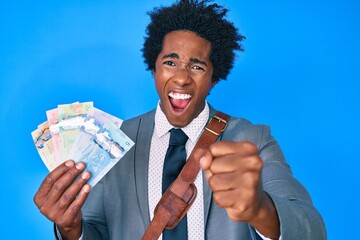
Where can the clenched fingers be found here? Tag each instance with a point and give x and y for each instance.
(232, 180)
(235, 162)
(225, 147)
(230, 156)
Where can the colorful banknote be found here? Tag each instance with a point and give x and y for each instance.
(90, 125)
(101, 144)
(81, 132)
(53, 120)
(71, 117)
(44, 145)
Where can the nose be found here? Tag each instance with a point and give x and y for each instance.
(182, 76)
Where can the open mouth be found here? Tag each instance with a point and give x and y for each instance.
(179, 101)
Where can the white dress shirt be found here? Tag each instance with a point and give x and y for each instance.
(160, 138)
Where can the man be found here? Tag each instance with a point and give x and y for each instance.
(248, 191)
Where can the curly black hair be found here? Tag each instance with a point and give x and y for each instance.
(207, 20)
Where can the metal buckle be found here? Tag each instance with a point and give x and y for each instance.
(220, 120)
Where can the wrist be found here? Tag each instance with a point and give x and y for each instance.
(266, 221)
(70, 233)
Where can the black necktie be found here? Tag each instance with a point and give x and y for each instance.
(175, 159)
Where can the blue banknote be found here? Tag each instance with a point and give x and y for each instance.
(101, 144)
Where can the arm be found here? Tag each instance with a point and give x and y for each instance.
(254, 184)
(297, 215)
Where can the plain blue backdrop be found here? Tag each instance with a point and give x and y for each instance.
(299, 74)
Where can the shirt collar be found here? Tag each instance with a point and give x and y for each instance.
(192, 130)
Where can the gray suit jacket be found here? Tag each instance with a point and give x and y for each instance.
(117, 208)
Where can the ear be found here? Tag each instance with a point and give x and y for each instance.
(213, 83)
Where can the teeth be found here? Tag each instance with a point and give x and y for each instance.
(179, 95)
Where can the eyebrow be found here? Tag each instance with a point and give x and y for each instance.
(193, 60)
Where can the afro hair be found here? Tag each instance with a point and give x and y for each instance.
(206, 20)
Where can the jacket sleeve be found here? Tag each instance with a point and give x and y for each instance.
(298, 217)
(94, 222)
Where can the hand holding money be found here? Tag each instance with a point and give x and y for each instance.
(94, 142)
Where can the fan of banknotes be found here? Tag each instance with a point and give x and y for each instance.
(81, 132)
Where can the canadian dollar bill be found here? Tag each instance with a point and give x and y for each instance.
(101, 144)
(44, 145)
(53, 121)
(71, 117)
(81, 132)
(88, 125)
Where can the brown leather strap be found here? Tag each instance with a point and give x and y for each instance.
(179, 197)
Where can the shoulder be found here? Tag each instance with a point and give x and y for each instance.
(131, 125)
(245, 130)
(241, 129)
(145, 116)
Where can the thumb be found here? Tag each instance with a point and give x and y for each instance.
(205, 162)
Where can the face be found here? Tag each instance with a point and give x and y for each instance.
(183, 76)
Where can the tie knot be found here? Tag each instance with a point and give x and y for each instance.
(177, 137)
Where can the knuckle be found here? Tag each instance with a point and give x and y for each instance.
(76, 220)
(49, 179)
(258, 163)
(66, 197)
(211, 182)
(218, 199)
(250, 146)
(241, 209)
(212, 147)
(37, 200)
(61, 222)
(251, 179)
(59, 185)
(79, 184)
(236, 215)
(255, 163)
(232, 217)
(42, 210)
(75, 208)
(45, 211)
(73, 172)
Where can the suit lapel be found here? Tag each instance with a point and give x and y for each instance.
(207, 199)
(142, 151)
(206, 189)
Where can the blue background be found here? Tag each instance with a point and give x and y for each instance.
(299, 74)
